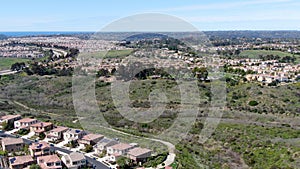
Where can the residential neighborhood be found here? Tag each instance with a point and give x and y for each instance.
(33, 142)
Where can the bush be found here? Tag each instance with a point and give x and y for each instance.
(253, 103)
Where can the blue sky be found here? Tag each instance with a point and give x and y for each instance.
(92, 15)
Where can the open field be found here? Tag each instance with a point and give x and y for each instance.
(5, 63)
(255, 53)
(109, 54)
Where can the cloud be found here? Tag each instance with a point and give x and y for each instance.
(228, 5)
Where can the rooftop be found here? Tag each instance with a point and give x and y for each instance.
(91, 137)
(12, 141)
(75, 156)
(43, 160)
(8, 117)
(121, 146)
(39, 145)
(59, 129)
(41, 124)
(27, 120)
(138, 151)
(20, 160)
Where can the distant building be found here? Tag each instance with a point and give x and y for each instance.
(74, 160)
(12, 144)
(20, 162)
(49, 162)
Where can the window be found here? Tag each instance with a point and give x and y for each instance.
(57, 164)
(83, 161)
(50, 164)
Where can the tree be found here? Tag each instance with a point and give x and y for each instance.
(42, 136)
(34, 166)
(253, 103)
(88, 148)
(200, 73)
(102, 72)
(18, 66)
(123, 162)
(7, 126)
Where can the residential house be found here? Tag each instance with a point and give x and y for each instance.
(74, 160)
(139, 154)
(103, 144)
(90, 139)
(10, 144)
(73, 134)
(41, 127)
(56, 133)
(49, 162)
(118, 150)
(9, 119)
(20, 162)
(39, 149)
(25, 123)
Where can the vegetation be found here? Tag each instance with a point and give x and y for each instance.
(123, 162)
(6, 63)
(34, 166)
(88, 148)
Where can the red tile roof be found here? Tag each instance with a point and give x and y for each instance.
(39, 145)
(18, 160)
(91, 137)
(138, 151)
(121, 146)
(26, 120)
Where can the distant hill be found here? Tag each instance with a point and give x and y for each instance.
(145, 36)
(254, 34)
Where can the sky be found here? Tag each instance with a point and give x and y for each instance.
(93, 15)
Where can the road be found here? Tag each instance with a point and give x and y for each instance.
(97, 164)
(7, 72)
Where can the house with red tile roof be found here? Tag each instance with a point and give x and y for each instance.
(90, 139)
(139, 154)
(49, 162)
(24, 123)
(56, 133)
(121, 149)
(74, 160)
(19, 162)
(39, 149)
(9, 119)
(41, 127)
(10, 144)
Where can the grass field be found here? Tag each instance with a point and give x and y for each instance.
(109, 54)
(5, 63)
(256, 53)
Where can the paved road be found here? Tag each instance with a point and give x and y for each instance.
(97, 164)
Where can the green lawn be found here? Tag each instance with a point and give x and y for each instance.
(109, 54)
(255, 53)
(5, 63)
